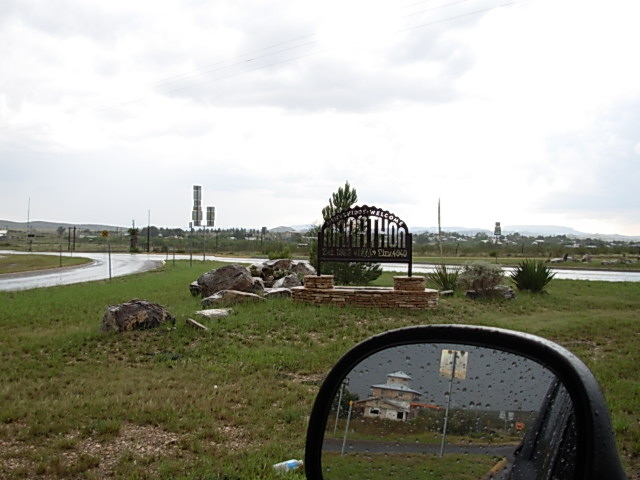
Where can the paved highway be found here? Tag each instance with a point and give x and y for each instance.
(127, 264)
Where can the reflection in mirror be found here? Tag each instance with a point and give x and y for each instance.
(446, 411)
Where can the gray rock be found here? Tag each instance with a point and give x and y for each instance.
(258, 285)
(213, 313)
(229, 277)
(194, 288)
(303, 268)
(503, 291)
(279, 264)
(289, 281)
(271, 293)
(193, 323)
(228, 297)
(136, 314)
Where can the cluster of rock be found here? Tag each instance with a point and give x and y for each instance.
(617, 261)
(226, 285)
(234, 283)
(567, 258)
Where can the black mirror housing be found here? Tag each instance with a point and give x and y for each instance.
(595, 455)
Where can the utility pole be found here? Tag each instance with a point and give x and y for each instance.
(497, 232)
(148, 231)
(211, 220)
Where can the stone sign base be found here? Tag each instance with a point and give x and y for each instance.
(407, 293)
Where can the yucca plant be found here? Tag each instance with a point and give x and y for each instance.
(532, 275)
(443, 278)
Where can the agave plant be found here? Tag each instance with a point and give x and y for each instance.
(532, 275)
(443, 278)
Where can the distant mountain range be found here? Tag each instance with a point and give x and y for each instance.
(44, 226)
(526, 230)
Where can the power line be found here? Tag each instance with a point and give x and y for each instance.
(315, 42)
(250, 61)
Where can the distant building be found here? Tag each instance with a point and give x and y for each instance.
(392, 400)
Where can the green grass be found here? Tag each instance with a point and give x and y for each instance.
(24, 263)
(229, 403)
(514, 260)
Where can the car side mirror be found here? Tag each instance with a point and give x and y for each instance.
(453, 401)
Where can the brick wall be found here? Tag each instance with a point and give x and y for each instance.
(408, 293)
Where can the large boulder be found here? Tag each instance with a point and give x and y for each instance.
(230, 277)
(136, 314)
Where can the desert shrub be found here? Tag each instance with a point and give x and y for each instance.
(532, 275)
(352, 273)
(443, 278)
(481, 277)
(279, 251)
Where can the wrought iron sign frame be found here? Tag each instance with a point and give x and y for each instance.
(365, 234)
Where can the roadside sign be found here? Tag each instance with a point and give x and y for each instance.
(211, 216)
(447, 360)
(105, 233)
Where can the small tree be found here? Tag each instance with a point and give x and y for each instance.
(341, 200)
(345, 273)
(133, 239)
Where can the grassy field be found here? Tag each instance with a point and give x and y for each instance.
(598, 262)
(229, 403)
(25, 263)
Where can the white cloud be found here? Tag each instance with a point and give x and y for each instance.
(525, 114)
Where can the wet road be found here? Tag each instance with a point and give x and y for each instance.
(98, 269)
(335, 445)
(127, 264)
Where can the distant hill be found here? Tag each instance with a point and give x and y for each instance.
(531, 231)
(282, 230)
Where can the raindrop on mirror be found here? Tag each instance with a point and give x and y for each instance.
(420, 411)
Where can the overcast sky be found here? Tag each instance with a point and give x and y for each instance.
(524, 112)
(494, 380)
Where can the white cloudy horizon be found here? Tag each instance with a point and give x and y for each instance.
(523, 112)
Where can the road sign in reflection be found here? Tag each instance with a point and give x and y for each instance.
(453, 363)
